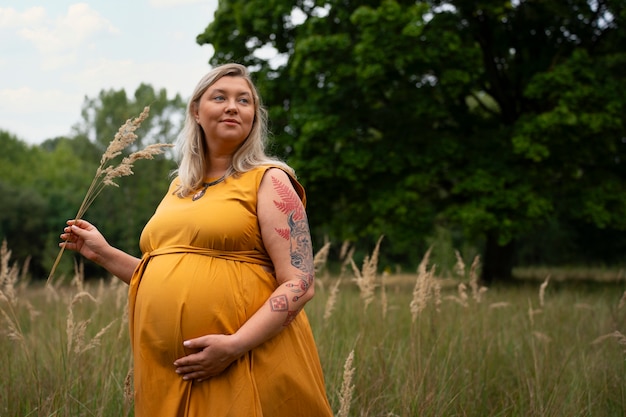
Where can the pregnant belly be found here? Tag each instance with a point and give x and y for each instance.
(186, 296)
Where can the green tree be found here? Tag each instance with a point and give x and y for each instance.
(23, 209)
(489, 117)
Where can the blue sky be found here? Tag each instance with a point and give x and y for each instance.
(53, 53)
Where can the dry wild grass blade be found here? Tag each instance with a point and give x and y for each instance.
(617, 335)
(321, 258)
(128, 386)
(462, 298)
(542, 291)
(106, 173)
(383, 294)
(346, 260)
(319, 263)
(420, 290)
(426, 287)
(8, 278)
(366, 277)
(332, 300)
(343, 252)
(477, 289)
(459, 266)
(347, 388)
(76, 330)
(8, 275)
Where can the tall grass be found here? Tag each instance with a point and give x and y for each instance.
(532, 350)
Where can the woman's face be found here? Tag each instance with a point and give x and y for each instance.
(226, 112)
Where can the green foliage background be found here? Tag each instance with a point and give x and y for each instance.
(493, 127)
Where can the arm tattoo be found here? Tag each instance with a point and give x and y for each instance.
(279, 303)
(299, 236)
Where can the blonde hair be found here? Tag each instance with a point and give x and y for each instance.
(191, 143)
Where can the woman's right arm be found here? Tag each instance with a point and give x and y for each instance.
(84, 238)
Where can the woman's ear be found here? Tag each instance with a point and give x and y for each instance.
(194, 112)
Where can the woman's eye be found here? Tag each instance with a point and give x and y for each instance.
(244, 101)
(218, 98)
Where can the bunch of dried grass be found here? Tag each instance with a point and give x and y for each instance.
(366, 277)
(426, 287)
(107, 172)
(347, 388)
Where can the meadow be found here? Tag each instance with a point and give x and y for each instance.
(392, 344)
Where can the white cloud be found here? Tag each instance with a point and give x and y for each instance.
(38, 114)
(170, 3)
(10, 17)
(60, 41)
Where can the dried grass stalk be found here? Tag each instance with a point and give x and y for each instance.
(128, 386)
(617, 335)
(366, 277)
(459, 267)
(532, 312)
(107, 172)
(74, 330)
(319, 264)
(332, 300)
(477, 289)
(343, 252)
(347, 388)
(426, 287)
(383, 295)
(421, 290)
(462, 298)
(321, 258)
(346, 260)
(542, 291)
(9, 276)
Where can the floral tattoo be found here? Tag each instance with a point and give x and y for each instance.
(299, 238)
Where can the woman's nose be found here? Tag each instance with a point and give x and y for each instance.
(231, 106)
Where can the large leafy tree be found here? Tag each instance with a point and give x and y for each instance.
(493, 117)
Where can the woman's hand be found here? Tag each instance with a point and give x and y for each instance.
(217, 352)
(83, 237)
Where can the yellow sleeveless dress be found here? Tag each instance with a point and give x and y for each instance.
(202, 273)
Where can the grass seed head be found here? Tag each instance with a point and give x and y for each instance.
(347, 388)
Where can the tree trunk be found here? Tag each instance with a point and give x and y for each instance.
(497, 261)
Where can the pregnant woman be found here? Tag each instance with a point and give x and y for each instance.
(216, 321)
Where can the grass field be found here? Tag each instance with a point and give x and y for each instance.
(391, 345)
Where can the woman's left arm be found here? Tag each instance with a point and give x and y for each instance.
(287, 238)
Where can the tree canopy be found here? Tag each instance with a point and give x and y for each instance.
(495, 126)
(492, 119)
